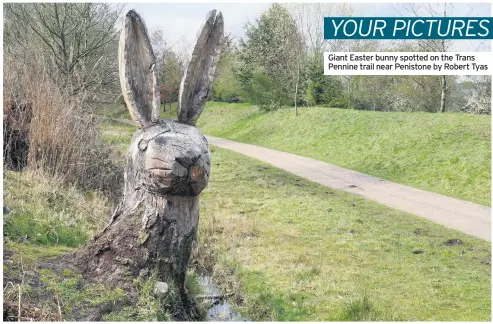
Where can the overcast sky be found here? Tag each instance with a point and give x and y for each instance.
(182, 20)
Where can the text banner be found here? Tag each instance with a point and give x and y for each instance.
(408, 28)
(407, 63)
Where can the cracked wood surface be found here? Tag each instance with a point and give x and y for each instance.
(137, 68)
(199, 75)
(166, 167)
(155, 224)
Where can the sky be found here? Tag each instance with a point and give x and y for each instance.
(181, 21)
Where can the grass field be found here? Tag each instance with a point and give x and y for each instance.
(47, 220)
(444, 153)
(289, 249)
(303, 252)
(295, 250)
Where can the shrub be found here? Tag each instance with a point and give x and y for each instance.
(323, 89)
(264, 92)
(61, 131)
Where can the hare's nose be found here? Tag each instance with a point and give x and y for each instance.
(187, 161)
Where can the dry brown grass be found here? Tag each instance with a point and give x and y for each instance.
(61, 129)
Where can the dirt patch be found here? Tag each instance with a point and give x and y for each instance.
(453, 242)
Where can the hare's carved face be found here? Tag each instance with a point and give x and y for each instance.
(169, 157)
(174, 158)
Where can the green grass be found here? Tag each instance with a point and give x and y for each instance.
(150, 308)
(304, 252)
(118, 135)
(289, 248)
(47, 220)
(75, 293)
(120, 111)
(444, 153)
(295, 250)
(77, 298)
(45, 212)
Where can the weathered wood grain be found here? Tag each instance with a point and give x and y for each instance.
(198, 78)
(138, 75)
(166, 167)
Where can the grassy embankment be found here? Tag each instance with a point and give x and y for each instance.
(295, 250)
(445, 153)
(289, 248)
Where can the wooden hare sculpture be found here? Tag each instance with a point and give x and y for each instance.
(167, 165)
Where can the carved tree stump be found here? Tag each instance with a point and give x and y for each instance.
(155, 224)
(167, 166)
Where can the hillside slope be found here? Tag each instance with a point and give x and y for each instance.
(445, 153)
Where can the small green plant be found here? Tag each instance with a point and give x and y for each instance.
(75, 295)
(192, 284)
(149, 307)
(361, 309)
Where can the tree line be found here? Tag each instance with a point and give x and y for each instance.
(279, 62)
(60, 71)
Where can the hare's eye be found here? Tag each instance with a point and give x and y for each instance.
(143, 144)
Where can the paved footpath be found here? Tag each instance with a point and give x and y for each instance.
(458, 214)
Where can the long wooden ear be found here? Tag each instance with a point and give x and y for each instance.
(138, 75)
(198, 78)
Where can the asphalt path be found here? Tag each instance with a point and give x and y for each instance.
(454, 213)
(465, 216)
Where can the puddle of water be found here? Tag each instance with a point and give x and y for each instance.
(220, 310)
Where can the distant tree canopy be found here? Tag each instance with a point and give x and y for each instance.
(323, 89)
(226, 87)
(170, 67)
(279, 62)
(170, 77)
(268, 55)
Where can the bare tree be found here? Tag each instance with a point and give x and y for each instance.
(159, 46)
(308, 18)
(297, 44)
(78, 38)
(170, 62)
(435, 45)
(268, 56)
(479, 95)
